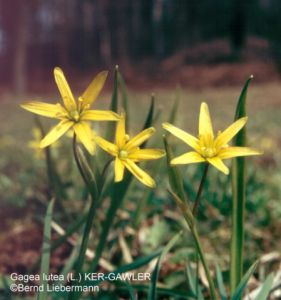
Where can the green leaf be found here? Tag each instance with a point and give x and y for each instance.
(238, 197)
(265, 289)
(243, 283)
(221, 286)
(155, 274)
(193, 282)
(87, 174)
(109, 135)
(149, 118)
(124, 94)
(164, 292)
(130, 290)
(175, 107)
(118, 193)
(175, 177)
(46, 247)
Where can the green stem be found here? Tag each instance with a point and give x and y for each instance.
(200, 189)
(194, 212)
(90, 217)
(184, 207)
(204, 262)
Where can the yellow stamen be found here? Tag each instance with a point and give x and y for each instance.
(123, 154)
(74, 115)
(208, 152)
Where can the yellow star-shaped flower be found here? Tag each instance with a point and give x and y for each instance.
(209, 148)
(73, 114)
(127, 152)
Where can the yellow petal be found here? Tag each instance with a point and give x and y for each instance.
(85, 136)
(119, 169)
(142, 176)
(217, 163)
(188, 158)
(44, 109)
(55, 133)
(100, 115)
(205, 123)
(230, 152)
(107, 146)
(184, 136)
(95, 87)
(120, 135)
(65, 90)
(230, 132)
(146, 154)
(139, 138)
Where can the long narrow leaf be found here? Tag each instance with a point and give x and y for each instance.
(149, 117)
(175, 107)
(124, 94)
(221, 286)
(238, 198)
(265, 289)
(46, 247)
(193, 282)
(243, 283)
(155, 274)
(175, 177)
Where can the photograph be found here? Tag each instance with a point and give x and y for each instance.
(140, 150)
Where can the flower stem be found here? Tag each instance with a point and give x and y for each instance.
(204, 262)
(200, 189)
(89, 222)
(184, 207)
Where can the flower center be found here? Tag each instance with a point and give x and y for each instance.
(208, 152)
(74, 115)
(123, 154)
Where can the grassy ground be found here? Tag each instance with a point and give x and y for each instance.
(20, 172)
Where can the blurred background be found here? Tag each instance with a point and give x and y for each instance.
(194, 50)
(189, 42)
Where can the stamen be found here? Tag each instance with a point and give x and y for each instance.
(123, 154)
(75, 116)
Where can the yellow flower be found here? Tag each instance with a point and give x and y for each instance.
(127, 152)
(209, 148)
(35, 143)
(74, 114)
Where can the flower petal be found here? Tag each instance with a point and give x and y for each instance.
(85, 136)
(107, 146)
(205, 123)
(65, 90)
(230, 132)
(184, 136)
(119, 169)
(142, 176)
(217, 163)
(188, 158)
(93, 90)
(44, 109)
(146, 154)
(55, 133)
(100, 115)
(230, 152)
(140, 138)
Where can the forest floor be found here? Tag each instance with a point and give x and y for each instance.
(202, 76)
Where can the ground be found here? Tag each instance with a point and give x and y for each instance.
(219, 84)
